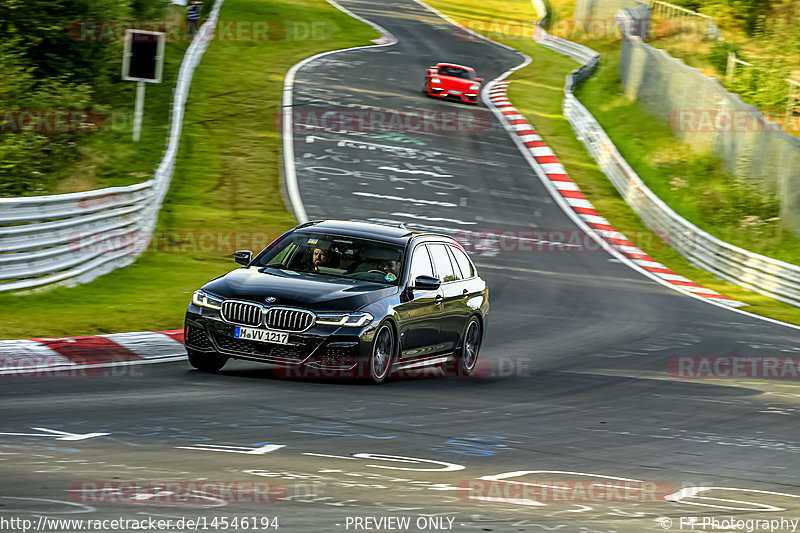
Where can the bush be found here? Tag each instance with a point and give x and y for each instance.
(718, 56)
(44, 67)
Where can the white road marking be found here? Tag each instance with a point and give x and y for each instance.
(408, 171)
(404, 199)
(331, 456)
(59, 435)
(233, 449)
(432, 219)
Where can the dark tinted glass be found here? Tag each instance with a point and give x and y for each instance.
(441, 262)
(456, 73)
(463, 262)
(420, 264)
(335, 255)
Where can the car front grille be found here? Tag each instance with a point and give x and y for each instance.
(242, 313)
(286, 319)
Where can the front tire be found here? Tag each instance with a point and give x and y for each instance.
(467, 358)
(211, 362)
(382, 356)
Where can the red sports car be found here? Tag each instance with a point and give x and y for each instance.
(446, 80)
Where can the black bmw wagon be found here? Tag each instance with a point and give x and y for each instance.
(354, 299)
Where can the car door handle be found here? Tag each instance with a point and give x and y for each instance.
(438, 299)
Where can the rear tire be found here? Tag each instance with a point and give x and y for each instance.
(467, 357)
(211, 362)
(382, 356)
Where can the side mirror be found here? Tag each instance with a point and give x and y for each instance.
(479, 79)
(427, 283)
(243, 257)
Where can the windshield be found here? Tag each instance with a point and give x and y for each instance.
(335, 255)
(456, 73)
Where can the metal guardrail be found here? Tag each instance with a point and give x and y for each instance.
(761, 274)
(65, 239)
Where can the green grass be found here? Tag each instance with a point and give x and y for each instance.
(537, 91)
(226, 183)
(107, 156)
(687, 177)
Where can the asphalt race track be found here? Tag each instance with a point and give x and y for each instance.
(573, 385)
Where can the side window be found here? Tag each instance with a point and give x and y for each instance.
(420, 264)
(467, 271)
(441, 262)
(456, 267)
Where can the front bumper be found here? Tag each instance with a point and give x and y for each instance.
(319, 347)
(469, 98)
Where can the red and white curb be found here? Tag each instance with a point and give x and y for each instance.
(44, 357)
(546, 159)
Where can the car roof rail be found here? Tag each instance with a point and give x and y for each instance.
(401, 225)
(309, 223)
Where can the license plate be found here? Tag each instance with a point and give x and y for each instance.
(455, 92)
(261, 335)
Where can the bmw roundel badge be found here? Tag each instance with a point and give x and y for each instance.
(270, 299)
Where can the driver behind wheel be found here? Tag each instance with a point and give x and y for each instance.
(391, 268)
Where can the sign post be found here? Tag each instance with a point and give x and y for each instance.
(142, 62)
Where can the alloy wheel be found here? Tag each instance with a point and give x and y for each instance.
(382, 353)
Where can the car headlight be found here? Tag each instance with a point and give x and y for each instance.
(350, 320)
(203, 299)
(436, 80)
(474, 87)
